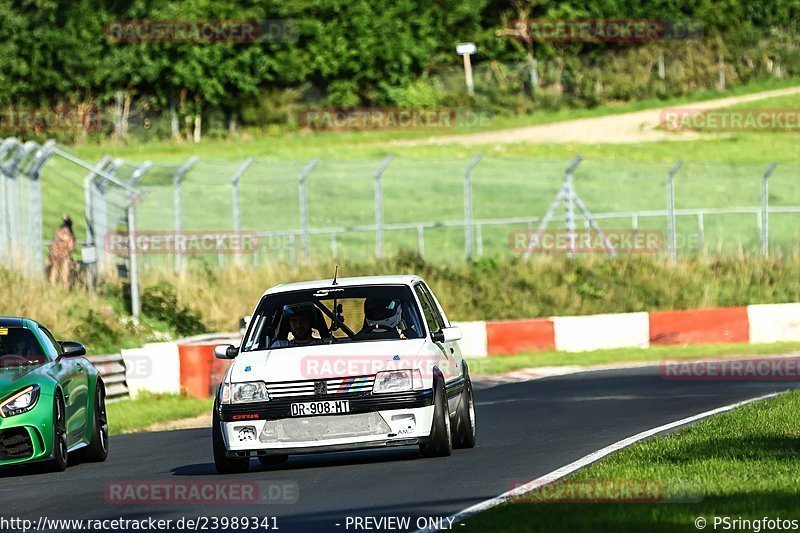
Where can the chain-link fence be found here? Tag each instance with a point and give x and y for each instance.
(210, 213)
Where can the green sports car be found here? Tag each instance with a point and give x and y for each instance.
(52, 400)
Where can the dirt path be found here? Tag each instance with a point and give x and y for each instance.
(638, 126)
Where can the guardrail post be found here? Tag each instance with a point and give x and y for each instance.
(468, 229)
(304, 207)
(765, 209)
(671, 232)
(237, 213)
(379, 206)
(177, 181)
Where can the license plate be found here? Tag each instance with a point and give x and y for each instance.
(332, 407)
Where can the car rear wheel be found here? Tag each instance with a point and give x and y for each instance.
(97, 451)
(441, 439)
(464, 428)
(223, 463)
(60, 456)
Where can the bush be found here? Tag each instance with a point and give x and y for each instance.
(160, 303)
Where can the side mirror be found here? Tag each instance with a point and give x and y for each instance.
(451, 334)
(72, 349)
(226, 351)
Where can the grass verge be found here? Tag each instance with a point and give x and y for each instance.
(509, 363)
(742, 465)
(130, 416)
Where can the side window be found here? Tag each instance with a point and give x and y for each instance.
(427, 309)
(435, 308)
(51, 345)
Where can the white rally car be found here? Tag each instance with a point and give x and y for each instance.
(345, 364)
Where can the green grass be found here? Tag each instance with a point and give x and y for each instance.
(508, 363)
(743, 464)
(128, 416)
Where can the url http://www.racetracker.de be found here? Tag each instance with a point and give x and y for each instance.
(149, 524)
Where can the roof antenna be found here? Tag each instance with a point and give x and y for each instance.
(335, 275)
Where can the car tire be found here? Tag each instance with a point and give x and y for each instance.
(223, 463)
(273, 460)
(60, 455)
(441, 439)
(464, 429)
(97, 451)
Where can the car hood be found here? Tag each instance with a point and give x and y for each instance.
(326, 361)
(14, 378)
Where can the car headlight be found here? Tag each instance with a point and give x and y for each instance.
(248, 391)
(20, 402)
(397, 381)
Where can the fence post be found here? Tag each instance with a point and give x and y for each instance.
(379, 206)
(88, 208)
(237, 214)
(177, 181)
(671, 236)
(765, 209)
(468, 229)
(304, 207)
(36, 203)
(136, 305)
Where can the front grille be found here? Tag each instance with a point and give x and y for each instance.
(296, 389)
(324, 428)
(15, 443)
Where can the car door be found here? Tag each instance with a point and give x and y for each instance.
(73, 376)
(435, 322)
(453, 347)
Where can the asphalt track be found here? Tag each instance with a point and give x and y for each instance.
(525, 430)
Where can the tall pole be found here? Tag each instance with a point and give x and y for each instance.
(765, 209)
(237, 213)
(304, 207)
(379, 206)
(468, 237)
(671, 230)
(468, 75)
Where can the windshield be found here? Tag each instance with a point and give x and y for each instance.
(19, 347)
(334, 315)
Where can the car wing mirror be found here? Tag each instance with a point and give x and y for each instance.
(72, 349)
(450, 334)
(226, 351)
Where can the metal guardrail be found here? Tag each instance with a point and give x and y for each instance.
(112, 368)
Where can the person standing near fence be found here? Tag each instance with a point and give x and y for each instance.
(61, 251)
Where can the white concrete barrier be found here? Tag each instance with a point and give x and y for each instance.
(774, 322)
(597, 332)
(153, 368)
(473, 341)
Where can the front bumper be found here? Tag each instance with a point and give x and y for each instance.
(380, 420)
(27, 437)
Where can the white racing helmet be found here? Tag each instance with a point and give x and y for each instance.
(382, 313)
